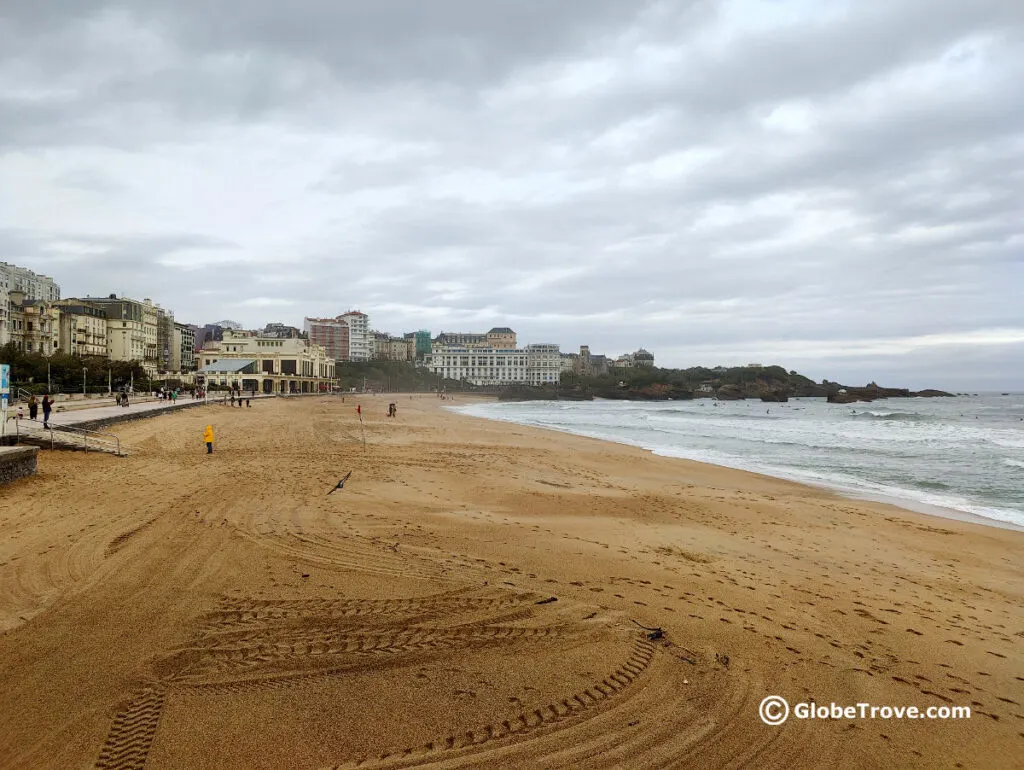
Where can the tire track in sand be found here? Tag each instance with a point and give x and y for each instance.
(133, 730)
(571, 709)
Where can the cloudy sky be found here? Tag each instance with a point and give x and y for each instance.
(837, 187)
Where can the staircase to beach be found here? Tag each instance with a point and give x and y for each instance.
(65, 437)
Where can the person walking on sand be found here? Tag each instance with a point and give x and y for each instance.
(33, 407)
(47, 408)
(208, 438)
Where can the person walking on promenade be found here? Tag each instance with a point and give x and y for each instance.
(117, 398)
(47, 408)
(33, 407)
(232, 398)
(208, 438)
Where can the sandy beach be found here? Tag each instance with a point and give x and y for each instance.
(471, 598)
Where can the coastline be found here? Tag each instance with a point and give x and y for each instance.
(471, 597)
(905, 502)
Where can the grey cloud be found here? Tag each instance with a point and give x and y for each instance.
(601, 172)
(89, 180)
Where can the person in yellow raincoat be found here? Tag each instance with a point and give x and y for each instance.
(208, 438)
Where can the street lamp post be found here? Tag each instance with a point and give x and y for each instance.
(84, 370)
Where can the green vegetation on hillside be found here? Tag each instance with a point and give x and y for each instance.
(656, 383)
(391, 376)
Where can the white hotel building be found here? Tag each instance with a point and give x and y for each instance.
(532, 365)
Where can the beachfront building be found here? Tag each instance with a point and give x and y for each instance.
(32, 286)
(346, 337)
(34, 324)
(329, 333)
(282, 365)
(150, 319)
(83, 328)
(543, 364)
(183, 348)
(197, 335)
(240, 374)
(360, 339)
(131, 329)
(163, 326)
(489, 366)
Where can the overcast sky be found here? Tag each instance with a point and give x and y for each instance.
(837, 187)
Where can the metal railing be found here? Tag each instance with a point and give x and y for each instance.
(101, 440)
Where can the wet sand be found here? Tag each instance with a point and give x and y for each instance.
(173, 609)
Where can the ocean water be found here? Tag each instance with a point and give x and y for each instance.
(962, 454)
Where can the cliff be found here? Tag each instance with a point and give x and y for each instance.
(767, 383)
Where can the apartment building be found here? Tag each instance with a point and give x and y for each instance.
(544, 364)
(83, 328)
(183, 348)
(346, 337)
(331, 333)
(32, 286)
(388, 348)
(34, 324)
(538, 364)
(164, 327)
(360, 339)
(272, 364)
(131, 329)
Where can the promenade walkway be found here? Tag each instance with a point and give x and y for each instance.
(97, 417)
(91, 419)
(91, 414)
